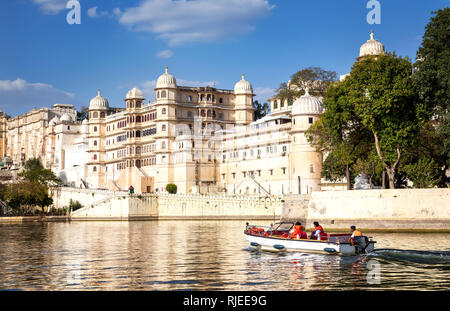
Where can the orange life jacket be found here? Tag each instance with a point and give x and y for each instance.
(357, 233)
(297, 231)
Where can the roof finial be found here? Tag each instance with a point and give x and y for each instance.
(371, 35)
(243, 76)
(99, 92)
(307, 91)
(167, 69)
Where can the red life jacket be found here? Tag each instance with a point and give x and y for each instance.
(297, 231)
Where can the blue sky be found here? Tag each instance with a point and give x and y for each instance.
(120, 44)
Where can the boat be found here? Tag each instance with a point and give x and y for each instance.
(276, 239)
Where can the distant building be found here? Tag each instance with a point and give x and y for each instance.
(202, 139)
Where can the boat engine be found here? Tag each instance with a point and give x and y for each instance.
(361, 243)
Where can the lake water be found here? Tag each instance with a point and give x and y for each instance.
(203, 255)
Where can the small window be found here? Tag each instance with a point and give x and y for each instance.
(163, 128)
(95, 129)
(164, 111)
(163, 94)
(311, 168)
(102, 114)
(311, 120)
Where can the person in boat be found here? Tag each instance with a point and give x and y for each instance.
(354, 234)
(317, 232)
(297, 232)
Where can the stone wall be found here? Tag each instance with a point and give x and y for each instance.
(102, 204)
(397, 209)
(218, 207)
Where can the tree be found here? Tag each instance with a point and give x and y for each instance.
(316, 78)
(34, 171)
(424, 173)
(384, 100)
(260, 110)
(339, 134)
(83, 113)
(432, 76)
(171, 188)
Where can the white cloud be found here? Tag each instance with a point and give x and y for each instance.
(164, 54)
(20, 96)
(262, 94)
(92, 12)
(51, 6)
(184, 22)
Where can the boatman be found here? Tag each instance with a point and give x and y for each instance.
(317, 231)
(354, 233)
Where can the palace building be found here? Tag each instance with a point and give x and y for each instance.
(202, 139)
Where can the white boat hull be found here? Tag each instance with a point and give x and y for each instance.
(276, 244)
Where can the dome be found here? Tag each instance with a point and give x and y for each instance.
(243, 87)
(135, 93)
(166, 80)
(54, 121)
(307, 104)
(99, 102)
(371, 47)
(66, 117)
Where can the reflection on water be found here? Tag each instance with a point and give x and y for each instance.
(196, 255)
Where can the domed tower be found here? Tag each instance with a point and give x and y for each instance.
(98, 110)
(305, 161)
(243, 92)
(372, 48)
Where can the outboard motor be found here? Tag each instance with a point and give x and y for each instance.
(361, 243)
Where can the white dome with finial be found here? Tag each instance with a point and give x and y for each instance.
(243, 87)
(54, 121)
(135, 93)
(307, 105)
(98, 102)
(166, 81)
(371, 48)
(66, 117)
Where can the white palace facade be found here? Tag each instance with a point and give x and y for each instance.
(202, 139)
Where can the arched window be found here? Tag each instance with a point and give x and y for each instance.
(102, 114)
(138, 104)
(95, 129)
(95, 157)
(163, 128)
(163, 145)
(220, 100)
(95, 169)
(209, 113)
(189, 98)
(95, 143)
(163, 94)
(95, 115)
(208, 98)
(138, 119)
(138, 133)
(164, 111)
(275, 105)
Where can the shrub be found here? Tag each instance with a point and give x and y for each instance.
(171, 188)
(75, 205)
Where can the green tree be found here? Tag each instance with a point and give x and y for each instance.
(260, 110)
(171, 188)
(34, 171)
(385, 102)
(83, 113)
(316, 78)
(432, 76)
(338, 134)
(424, 173)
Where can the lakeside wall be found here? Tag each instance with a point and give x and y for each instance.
(398, 209)
(110, 205)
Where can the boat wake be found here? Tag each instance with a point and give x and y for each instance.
(415, 256)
